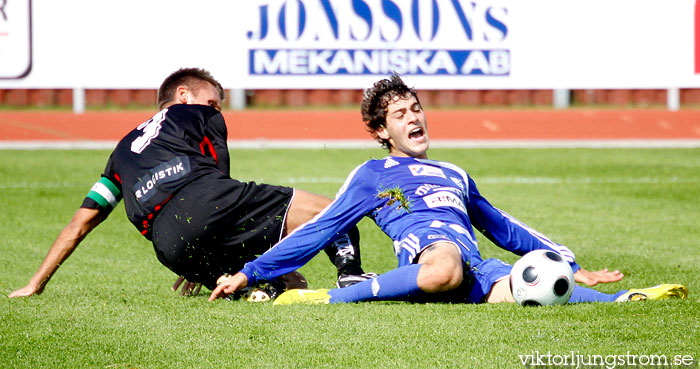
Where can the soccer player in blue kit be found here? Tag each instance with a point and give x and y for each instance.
(429, 208)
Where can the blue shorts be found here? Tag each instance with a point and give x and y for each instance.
(479, 275)
(486, 274)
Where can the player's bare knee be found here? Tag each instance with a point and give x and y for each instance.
(442, 268)
(451, 277)
(439, 277)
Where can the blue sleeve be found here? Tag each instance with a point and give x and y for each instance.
(353, 201)
(508, 232)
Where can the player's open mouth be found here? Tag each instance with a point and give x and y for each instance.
(416, 134)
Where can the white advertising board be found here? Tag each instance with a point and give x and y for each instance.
(436, 44)
(15, 39)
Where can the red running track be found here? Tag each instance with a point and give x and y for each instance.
(572, 124)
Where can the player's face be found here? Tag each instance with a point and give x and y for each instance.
(406, 128)
(206, 94)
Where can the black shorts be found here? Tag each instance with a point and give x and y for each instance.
(216, 224)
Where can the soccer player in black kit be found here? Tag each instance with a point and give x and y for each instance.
(173, 173)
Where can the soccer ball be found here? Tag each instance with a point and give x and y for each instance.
(541, 277)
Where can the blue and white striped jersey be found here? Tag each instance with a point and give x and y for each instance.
(404, 196)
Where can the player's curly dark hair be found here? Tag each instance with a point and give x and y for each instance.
(376, 99)
(190, 77)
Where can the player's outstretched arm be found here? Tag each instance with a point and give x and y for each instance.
(229, 286)
(84, 221)
(600, 276)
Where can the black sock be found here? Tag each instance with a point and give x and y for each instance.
(344, 253)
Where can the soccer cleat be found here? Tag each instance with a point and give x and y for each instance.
(297, 296)
(347, 280)
(660, 292)
(264, 292)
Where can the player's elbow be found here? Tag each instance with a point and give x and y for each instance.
(78, 229)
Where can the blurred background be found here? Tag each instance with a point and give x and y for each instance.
(83, 55)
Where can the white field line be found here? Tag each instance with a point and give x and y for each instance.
(514, 180)
(369, 144)
(23, 185)
(584, 180)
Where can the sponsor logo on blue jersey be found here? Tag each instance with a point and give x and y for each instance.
(426, 170)
(444, 198)
(424, 189)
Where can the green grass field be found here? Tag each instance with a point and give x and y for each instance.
(110, 305)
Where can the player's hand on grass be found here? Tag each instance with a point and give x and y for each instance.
(228, 285)
(26, 291)
(188, 288)
(590, 278)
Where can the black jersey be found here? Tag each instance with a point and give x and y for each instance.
(150, 164)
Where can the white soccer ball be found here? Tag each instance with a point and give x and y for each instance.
(541, 277)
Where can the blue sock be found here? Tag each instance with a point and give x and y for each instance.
(397, 284)
(585, 294)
